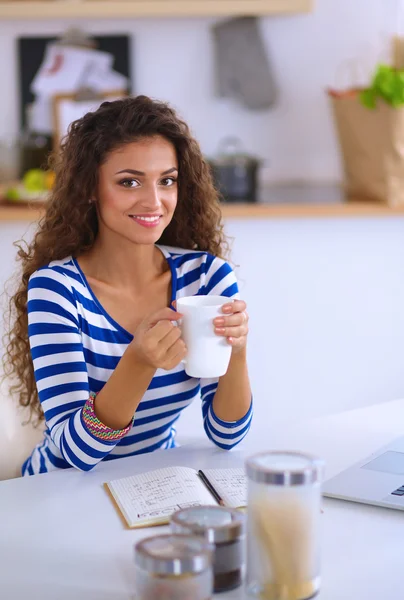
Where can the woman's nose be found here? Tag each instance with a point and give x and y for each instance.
(151, 198)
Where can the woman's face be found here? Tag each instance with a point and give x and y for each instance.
(137, 190)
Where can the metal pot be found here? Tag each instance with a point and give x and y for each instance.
(234, 172)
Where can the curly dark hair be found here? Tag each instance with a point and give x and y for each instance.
(70, 226)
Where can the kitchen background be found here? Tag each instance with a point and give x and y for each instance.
(173, 59)
(325, 295)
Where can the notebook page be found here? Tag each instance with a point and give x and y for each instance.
(157, 494)
(231, 485)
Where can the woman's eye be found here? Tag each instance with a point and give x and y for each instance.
(129, 183)
(169, 181)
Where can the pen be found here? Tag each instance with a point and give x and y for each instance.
(210, 487)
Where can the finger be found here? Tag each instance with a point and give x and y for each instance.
(165, 314)
(170, 339)
(156, 334)
(160, 329)
(233, 332)
(232, 320)
(174, 361)
(237, 342)
(234, 306)
(176, 353)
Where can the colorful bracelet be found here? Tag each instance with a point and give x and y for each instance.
(96, 427)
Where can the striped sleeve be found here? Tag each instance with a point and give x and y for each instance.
(60, 369)
(221, 281)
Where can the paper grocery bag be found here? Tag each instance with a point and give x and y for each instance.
(372, 148)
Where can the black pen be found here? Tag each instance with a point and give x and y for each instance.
(210, 487)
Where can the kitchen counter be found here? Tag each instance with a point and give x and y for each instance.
(280, 201)
(302, 200)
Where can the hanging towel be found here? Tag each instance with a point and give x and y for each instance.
(242, 65)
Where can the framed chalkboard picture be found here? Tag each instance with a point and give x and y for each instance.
(31, 52)
(67, 108)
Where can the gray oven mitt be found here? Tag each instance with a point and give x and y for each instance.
(242, 66)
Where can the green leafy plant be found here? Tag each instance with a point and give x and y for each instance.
(388, 85)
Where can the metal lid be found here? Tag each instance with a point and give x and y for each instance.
(284, 468)
(231, 153)
(217, 524)
(173, 554)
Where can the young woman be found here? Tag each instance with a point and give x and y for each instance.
(94, 347)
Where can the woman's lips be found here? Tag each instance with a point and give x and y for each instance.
(146, 221)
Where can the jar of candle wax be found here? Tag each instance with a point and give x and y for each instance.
(225, 529)
(173, 567)
(283, 538)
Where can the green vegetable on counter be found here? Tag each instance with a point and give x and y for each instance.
(387, 85)
(12, 194)
(35, 186)
(34, 180)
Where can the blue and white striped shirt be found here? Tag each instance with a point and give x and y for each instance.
(75, 347)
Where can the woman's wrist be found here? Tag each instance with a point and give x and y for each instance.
(96, 427)
(239, 355)
(233, 395)
(119, 399)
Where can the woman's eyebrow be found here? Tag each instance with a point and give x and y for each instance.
(142, 174)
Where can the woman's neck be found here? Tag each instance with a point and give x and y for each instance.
(123, 265)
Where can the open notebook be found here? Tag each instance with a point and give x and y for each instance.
(151, 498)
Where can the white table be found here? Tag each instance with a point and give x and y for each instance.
(61, 538)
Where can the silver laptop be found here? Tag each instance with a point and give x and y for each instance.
(378, 480)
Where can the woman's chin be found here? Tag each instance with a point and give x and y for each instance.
(148, 237)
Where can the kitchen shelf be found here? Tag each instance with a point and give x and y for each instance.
(10, 212)
(110, 9)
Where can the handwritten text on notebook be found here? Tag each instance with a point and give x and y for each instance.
(154, 496)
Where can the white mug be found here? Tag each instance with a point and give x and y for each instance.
(208, 354)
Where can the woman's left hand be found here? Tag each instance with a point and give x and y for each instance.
(234, 324)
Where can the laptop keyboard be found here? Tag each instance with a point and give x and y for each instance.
(398, 492)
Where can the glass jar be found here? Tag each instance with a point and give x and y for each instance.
(173, 567)
(225, 529)
(35, 146)
(283, 549)
(9, 159)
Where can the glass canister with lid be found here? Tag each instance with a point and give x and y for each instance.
(225, 529)
(173, 567)
(284, 508)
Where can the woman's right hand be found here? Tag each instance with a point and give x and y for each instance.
(157, 341)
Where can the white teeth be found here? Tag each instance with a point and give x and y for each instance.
(147, 219)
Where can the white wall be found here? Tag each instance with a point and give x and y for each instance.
(326, 305)
(172, 59)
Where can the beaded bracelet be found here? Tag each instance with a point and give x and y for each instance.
(96, 427)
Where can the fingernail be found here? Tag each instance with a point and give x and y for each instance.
(227, 308)
(219, 321)
(220, 330)
(230, 340)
